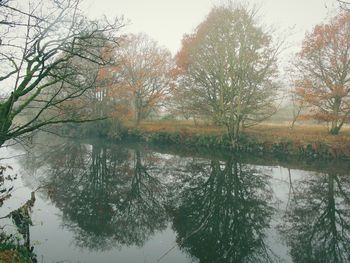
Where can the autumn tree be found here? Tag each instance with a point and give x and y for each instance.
(96, 103)
(228, 66)
(40, 43)
(142, 74)
(323, 72)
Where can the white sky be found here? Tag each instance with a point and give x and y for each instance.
(167, 20)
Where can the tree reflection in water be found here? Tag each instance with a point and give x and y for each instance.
(317, 223)
(107, 195)
(112, 196)
(223, 217)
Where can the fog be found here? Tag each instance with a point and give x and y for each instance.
(166, 20)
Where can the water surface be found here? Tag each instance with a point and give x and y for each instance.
(100, 202)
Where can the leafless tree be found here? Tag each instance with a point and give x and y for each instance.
(344, 4)
(40, 44)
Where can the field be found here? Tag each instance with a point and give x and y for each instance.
(265, 132)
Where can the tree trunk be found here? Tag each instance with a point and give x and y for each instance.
(5, 119)
(138, 117)
(335, 127)
(138, 110)
(233, 130)
(293, 122)
(4, 127)
(2, 140)
(236, 129)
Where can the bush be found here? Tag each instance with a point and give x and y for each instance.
(12, 251)
(108, 128)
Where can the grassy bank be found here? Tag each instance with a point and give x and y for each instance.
(311, 141)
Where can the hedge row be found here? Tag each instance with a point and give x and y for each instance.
(317, 150)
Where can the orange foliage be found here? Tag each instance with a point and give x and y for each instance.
(141, 78)
(182, 57)
(324, 74)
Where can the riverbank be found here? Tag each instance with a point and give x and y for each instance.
(309, 141)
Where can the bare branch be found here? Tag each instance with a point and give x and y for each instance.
(57, 44)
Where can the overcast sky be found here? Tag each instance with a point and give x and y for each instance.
(167, 20)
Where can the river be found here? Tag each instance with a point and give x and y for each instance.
(102, 202)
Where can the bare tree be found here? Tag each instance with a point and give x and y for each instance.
(344, 4)
(39, 43)
(297, 108)
(229, 64)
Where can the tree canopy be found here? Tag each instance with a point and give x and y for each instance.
(323, 72)
(40, 44)
(141, 78)
(227, 68)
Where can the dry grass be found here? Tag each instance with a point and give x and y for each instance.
(10, 256)
(267, 132)
(300, 133)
